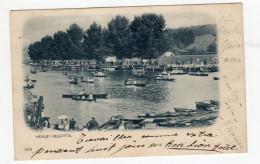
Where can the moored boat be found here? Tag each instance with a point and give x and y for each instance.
(134, 82)
(184, 110)
(178, 72)
(198, 74)
(162, 77)
(175, 123)
(166, 114)
(164, 72)
(207, 105)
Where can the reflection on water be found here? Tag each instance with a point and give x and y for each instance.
(156, 97)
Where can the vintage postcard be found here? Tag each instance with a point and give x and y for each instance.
(128, 81)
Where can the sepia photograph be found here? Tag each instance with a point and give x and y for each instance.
(133, 71)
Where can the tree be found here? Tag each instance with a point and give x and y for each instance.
(75, 34)
(148, 36)
(93, 42)
(119, 36)
(194, 50)
(35, 51)
(47, 47)
(62, 46)
(212, 48)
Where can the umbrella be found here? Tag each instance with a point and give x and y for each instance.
(62, 117)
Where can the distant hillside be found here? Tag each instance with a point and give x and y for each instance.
(202, 42)
(204, 29)
(195, 39)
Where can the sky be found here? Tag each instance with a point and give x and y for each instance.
(39, 26)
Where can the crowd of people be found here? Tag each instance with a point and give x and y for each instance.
(66, 124)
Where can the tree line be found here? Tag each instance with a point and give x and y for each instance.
(145, 37)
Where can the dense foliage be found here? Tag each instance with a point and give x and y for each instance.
(145, 37)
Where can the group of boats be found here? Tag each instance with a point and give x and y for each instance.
(83, 96)
(205, 113)
(74, 80)
(29, 82)
(200, 72)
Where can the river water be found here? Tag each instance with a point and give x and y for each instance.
(128, 101)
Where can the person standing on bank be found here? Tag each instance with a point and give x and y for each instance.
(92, 124)
(72, 124)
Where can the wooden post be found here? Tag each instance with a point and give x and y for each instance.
(39, 111)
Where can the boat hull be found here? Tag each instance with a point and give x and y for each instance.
(162, 79)
(198, 74)
(81, 99)
(95, 96)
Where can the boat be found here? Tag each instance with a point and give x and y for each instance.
(167, 124)
(138, 72)
(27, 79)
(29, 85)
(207, 105)
(82, 79)
(181, 110)
(149, 126)
(90, 81)
(98, 74)
(112, 124)
(161, 77)
(134, 82)
(159, 115)
(83, 98)
(215, 78)
(178, 72)
(43, 70)
(134, 120)
(95, 96)
(198, 74)
(174, 123)
(33, 71)
(164, 72)
(73, 81)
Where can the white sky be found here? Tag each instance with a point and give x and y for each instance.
(38, 27)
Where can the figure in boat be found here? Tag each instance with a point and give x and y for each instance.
(98, 74)
(92, 124)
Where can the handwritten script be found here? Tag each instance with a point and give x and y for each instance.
(115, 144)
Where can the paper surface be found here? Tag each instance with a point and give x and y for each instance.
(226, 135)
